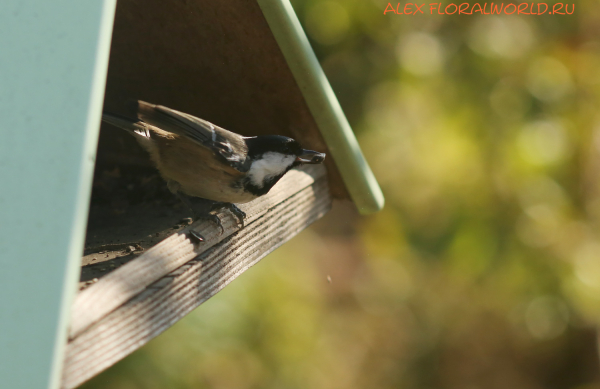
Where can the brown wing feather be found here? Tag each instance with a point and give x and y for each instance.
(226, 145)
(200, 178)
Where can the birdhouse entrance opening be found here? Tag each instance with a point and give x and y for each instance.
(142, 268)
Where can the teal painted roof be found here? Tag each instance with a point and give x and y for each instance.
(324, 106)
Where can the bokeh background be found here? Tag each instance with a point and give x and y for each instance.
(482, 271)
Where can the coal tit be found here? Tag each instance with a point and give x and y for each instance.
(200, 159)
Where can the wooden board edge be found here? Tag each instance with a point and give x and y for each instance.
(171, 298)
(125, 282)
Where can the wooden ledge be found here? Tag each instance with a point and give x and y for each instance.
(136, 302)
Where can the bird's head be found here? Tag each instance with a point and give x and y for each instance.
(272, 156)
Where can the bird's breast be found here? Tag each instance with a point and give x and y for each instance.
(225, 190)
(200, 173)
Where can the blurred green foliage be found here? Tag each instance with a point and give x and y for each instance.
(483, 271)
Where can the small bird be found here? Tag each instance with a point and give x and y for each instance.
(200, 159)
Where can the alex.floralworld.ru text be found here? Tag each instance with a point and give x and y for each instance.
(487, 9)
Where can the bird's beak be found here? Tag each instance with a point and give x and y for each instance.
(309, 156)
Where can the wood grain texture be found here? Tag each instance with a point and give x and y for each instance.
(217, 60)
(125, 282)
(170, 298)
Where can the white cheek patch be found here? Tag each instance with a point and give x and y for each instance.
(270, 165)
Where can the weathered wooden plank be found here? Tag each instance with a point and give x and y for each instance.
(167, 300)
(124, 283)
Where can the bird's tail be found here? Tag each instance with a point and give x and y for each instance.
(133, 126)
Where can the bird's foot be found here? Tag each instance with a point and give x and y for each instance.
(241, 215)
(195, 235)
(203, 209)
(213, 218)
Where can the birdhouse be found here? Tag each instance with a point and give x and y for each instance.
(245, 66)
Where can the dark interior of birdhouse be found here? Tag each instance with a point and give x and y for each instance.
(215, 60)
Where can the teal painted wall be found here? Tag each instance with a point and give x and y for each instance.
(53, 61)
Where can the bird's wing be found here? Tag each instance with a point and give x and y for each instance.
(227, 145)
(135, 127)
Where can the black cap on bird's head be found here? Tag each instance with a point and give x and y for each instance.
(259, 145)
